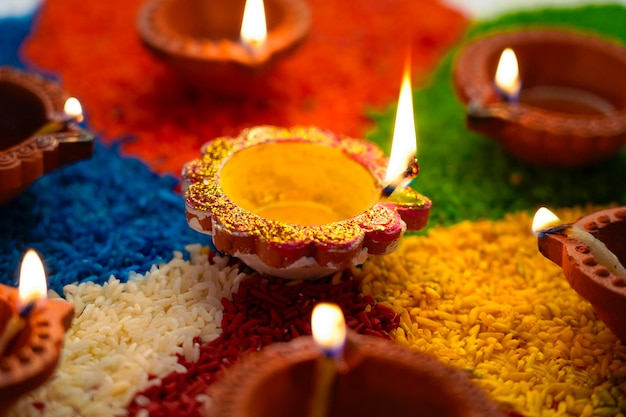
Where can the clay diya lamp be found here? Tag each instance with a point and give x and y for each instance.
(36, 136)
(31, 337)
(297, 203)
(202, 40)
(567, 107)
(592, 254)
(373, 377)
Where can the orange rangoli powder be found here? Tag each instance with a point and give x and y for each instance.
(351, 62)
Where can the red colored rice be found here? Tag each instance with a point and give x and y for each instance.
(264, 311)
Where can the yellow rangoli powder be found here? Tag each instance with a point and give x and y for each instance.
(481, 297)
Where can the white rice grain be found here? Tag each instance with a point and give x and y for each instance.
(123, 332)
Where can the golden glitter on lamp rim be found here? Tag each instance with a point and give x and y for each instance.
(554, 57)
(200, 40)
(296, 249)
(32, 358)
(382, 379)
(33, 101)
(604, 290)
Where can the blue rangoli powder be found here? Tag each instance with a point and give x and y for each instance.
(104, 216)
(13, 30)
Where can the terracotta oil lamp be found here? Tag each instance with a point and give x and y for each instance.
(362, 376)
(205, 42)
(304, 203)
(36, 134)
(592, 254)
(297, 203)
(32, 329)
(567, 106)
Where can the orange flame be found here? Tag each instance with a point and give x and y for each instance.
(33, 285)
(507, 74)
(328, 327)
(404, 145)
(253, 25)
(543, 219)
(73, 108)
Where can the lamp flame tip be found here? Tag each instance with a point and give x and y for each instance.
(507, 77)
(328, 326)
(33, 285)
(254, 25)
(73, 109)
(544, 218)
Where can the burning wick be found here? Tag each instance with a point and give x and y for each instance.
(403, 167)
(72, 113)
(508, 85)
(404, 179)
(253, 25)
(329, 332)
(507, 80)
(32, 287)
(545, 223)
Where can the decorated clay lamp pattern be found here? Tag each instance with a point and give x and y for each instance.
(373, 377)
(297, 203)
(32, 329)
(592, 253)
(563, 102)
(37, 135)
(304, 203)
(225, 47)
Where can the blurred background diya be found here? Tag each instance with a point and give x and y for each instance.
(550, 97)
(225, 47)
(39, 130)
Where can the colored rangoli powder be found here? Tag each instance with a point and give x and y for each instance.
(263, 311)
(351, 61)
(481, 297)
(126, 337)
(477, 296)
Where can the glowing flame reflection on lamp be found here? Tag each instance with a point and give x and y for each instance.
(33, 285)
(253, 25)
(404, 145)
(507, 75)
(329, 328)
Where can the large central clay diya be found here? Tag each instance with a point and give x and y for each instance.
(304, 202)
(205, 42)
(592, 254)
(373, 377)
(32, 329)
(567, 107)
(299, 202)
(36, 136)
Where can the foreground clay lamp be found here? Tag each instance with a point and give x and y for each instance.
(373, 377)
(297, 203)
(36, 134)
(214, 46)
(304, 203)
(32, 329)
(592, 253)
(566, 106)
